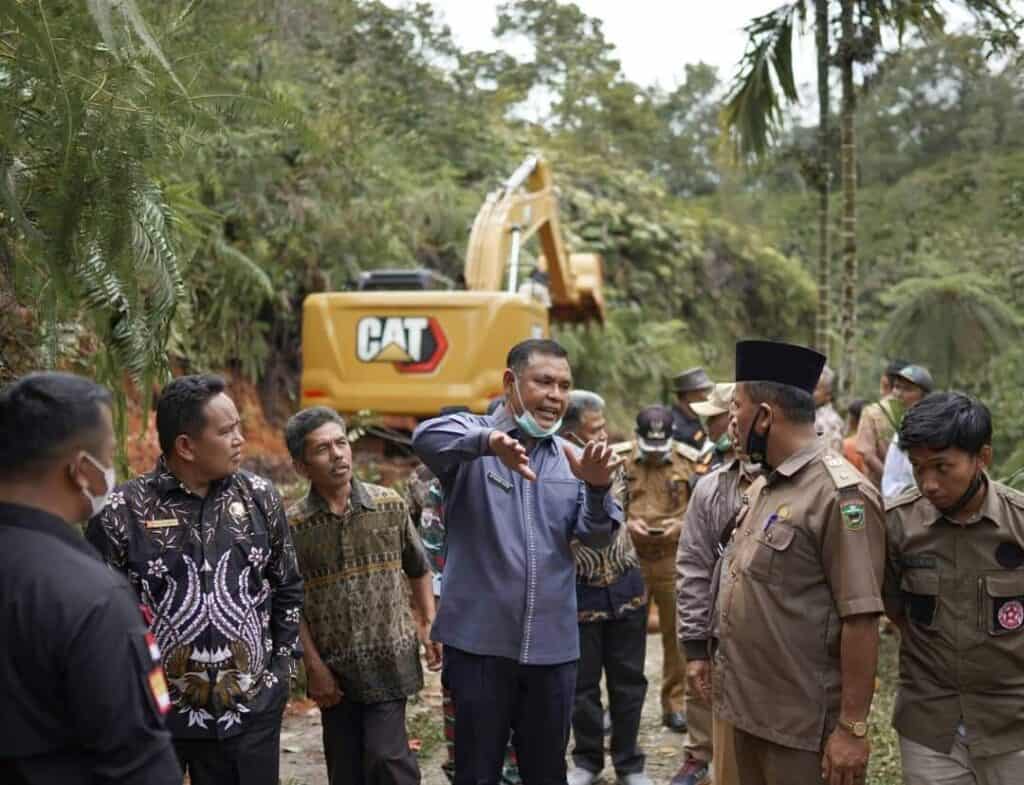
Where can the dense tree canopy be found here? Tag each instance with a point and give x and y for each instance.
(176, 180)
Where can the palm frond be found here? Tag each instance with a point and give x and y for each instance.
(752, 111)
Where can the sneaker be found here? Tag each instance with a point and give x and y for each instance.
(636, 778)
(692, 772)
(580, 776)
(675, 720)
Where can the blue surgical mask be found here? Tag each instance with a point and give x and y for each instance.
(528, 425)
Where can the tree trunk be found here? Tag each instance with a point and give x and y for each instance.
(848, 307)
(821, 327)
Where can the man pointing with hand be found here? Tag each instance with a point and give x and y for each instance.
(516, 495)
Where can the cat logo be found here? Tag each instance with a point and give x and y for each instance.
(414, 344)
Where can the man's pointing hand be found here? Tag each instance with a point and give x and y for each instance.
(511, 453)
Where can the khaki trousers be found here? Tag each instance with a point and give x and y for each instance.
(699, 742)
(762, 762)
(724, 772)
(659, 575)
(924, 766)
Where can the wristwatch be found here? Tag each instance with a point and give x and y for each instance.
(856, 729)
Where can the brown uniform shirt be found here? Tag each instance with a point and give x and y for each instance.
(808, 551)
(657, 489)
(960, 589)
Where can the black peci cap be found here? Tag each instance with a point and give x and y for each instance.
(782, 363)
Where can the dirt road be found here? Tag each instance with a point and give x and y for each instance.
(302, 760)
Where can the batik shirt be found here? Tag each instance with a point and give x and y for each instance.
(357, 600)
(220, 577)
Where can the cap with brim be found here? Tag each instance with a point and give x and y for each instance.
(691, 380)
(782, 363)
(918, 376)
(654, 428)
(717, 403)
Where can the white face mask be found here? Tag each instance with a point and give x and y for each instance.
(109, 477)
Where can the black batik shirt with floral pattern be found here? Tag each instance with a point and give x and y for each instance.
(220, 577)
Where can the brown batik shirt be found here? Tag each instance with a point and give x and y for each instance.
(960, 589)
(808, 551)
(357, 600)
(218, 573)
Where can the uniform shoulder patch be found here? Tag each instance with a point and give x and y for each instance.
(688, 452)
(1012, 495)
(842, 472)
(908, 496)
(621, 448)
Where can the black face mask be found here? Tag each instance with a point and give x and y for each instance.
(757, 445)
(965, 499)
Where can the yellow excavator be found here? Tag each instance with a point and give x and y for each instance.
(407, 343)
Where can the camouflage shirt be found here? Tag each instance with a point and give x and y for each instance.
(357, 601)
(218, 573)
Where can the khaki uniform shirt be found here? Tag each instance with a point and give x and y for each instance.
(657, 490)
(807, 552)
(874, 434)
(960, 589)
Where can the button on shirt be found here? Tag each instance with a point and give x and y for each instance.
(509, 584)
(806, 554)
(219, 574)
(357, 603)
(960, 589)
(79, 689)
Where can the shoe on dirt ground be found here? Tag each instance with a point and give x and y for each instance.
(580, 776)
(675, 720)
(692, 772)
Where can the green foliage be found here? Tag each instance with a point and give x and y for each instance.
(753, 111)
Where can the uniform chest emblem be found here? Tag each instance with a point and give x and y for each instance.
(853, 516)
(1010, 615)
(784, 513)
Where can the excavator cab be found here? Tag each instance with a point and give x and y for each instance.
(408, 343)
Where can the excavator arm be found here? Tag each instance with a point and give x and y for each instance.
(524, 207)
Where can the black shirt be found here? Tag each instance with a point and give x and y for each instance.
(79, 686)
(687, 429)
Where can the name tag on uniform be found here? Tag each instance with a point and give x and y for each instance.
(163, 523)
(501, 482)
(919, 560)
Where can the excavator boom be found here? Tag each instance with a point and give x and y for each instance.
(405, 346)
(524, 207)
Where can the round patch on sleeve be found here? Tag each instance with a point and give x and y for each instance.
(1011, 615)
(1009, 555)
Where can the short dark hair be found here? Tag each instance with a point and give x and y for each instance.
(519, 355)
(947, 419)
(893, 368)
(303, 423)
(855, 408)
(580, 401)
(180, 407)
(42, 414)
(797, 405)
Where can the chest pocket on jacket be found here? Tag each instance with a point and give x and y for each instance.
(1003, 603)
(767, 563)
(558, 502)
(920, 596)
